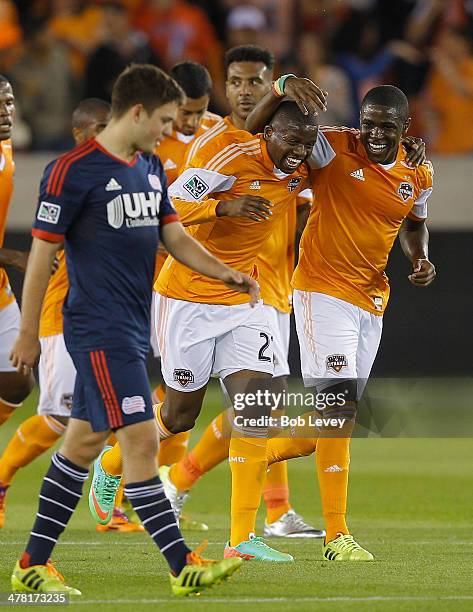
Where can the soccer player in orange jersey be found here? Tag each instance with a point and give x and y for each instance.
(56, 370)
(204, 330)
(368, 193)
(14, 386)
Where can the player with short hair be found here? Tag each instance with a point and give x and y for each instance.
(106, 200)
(57, 374)
(14, 386)
(368, 193)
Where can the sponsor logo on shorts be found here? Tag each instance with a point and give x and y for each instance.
(49, 212)
(133, 404)
(406, 191)
(183, 377)
(294, 183)
(155, 182)
(336, 362)
(196, 187)
(66, 401)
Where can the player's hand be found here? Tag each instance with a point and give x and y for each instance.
(415, 149)
(252, 207)
(308, 96)
(25, 353)
(243, 283)
(423, 273)
(20, 260)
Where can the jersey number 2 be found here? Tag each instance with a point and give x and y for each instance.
(261, 355)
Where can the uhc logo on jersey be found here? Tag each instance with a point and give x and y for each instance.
(196, 187)
(406, 191)
(134, 209)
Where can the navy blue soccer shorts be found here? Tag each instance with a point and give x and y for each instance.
(111, 389)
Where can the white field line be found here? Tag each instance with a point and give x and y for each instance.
(122, 542)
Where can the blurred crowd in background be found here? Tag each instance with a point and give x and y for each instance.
(56, 52)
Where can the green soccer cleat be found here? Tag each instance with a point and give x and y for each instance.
(40, 579)
(344, 548)
(255, 549)
(186, 523)
(102, 492)
(196, 577)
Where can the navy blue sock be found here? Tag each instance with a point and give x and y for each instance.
(58, 498)
(155, 512)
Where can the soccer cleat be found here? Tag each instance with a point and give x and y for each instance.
(344, 548)
(187, 523)
(3, 504)
(40, 579)
(201, 574)
(291, 525)
(255, 549)
(120, 522)
(176, 498)
(102, 492)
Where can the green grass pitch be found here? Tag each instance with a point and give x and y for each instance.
(410, 503)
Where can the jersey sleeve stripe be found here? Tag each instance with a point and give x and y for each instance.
(229, 150)
(55, 172)
(232, 157)
(64, 170)
(48, 236)
(168, 219)
(204, 138)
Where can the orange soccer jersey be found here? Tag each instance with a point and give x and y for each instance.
(51, 314)
(172, 153)
(228, 166)
(360, 207)
(7, 168)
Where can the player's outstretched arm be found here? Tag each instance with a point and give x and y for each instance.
(414, 239)
(309, 97)
(192, 254)
(14, 259)
(26, 350)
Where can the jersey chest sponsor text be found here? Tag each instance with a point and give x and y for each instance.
(134, 209)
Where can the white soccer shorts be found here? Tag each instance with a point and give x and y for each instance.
(9, 328)
(336, 338)
(153, 337)
(197, 340)
(57, 376)
(280, 324)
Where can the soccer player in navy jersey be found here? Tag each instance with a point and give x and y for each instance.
(107, 200)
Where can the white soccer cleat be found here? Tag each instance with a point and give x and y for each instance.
(176, 498)
(291, 525)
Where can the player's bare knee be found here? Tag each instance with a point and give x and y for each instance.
(181, 410)
(336, 407)
(15, 388)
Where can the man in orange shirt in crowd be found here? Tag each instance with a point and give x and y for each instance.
(367, 193)
(14, 386)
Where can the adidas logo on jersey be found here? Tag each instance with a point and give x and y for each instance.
(169, 165)
(334, 468)
(112, 185)
(358, 174)
(255, 185)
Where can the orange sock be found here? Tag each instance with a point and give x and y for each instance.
(112, 461)
(159, 393)
(112, 439)
(119, 495)
(31, 439)
(210, 450)
(172, 450)
(163, 431)
(276, 492)
(280, 449)
(332, 460)
(248, 465)
(6, 410)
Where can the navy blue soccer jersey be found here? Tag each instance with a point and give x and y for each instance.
(108, 213)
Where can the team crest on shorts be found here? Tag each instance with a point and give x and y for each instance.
(406, 191)
(133, 404)
(66, 401)
(183, 377)
(294, 182)
(196, 187)
(336, 362)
